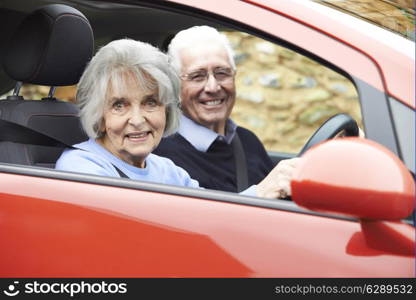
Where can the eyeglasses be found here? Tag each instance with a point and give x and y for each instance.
(221, 75)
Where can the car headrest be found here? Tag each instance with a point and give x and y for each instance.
(50, 47)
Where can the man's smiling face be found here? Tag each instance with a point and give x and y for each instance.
(208, 102)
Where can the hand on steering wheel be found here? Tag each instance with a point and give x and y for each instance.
(330, 129)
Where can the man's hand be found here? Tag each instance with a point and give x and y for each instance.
(277, 183)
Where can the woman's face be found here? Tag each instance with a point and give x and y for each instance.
(134, 120)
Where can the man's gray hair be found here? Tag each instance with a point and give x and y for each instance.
(110, 64)
(197, 35)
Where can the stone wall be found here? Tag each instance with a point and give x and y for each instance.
(283, 96)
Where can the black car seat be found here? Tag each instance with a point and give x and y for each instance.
(50, 47)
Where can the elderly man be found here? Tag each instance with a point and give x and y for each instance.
(209, 145)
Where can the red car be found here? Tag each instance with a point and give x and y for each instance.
(353, 198)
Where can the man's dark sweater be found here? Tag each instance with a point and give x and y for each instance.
(215, 169)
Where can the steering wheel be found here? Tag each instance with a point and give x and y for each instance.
(330, 128)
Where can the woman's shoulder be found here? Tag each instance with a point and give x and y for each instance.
(78, 154)
(170, 171)
(82, 159)
(79, 151)
(160, 161)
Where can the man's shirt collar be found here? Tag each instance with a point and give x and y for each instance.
(201, 137)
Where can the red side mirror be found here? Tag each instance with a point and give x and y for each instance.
(355, 177)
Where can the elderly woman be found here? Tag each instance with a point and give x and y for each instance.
(128, 96)
(129, 99)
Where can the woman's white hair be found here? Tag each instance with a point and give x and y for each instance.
(110, 64)
(193, 36)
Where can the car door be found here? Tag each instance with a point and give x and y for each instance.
(57, 224)
(81, 225)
